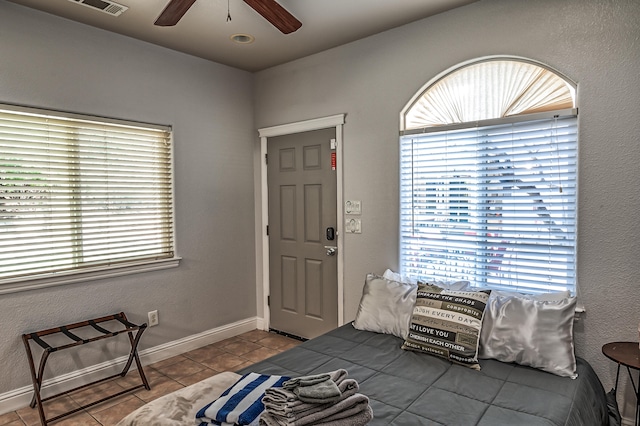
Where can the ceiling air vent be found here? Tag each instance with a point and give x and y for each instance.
(105, 6)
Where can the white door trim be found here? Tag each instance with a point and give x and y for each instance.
(262, 262)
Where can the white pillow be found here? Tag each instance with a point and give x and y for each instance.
(385, 306)
(395, 276)
(536, 331)
(448, 285)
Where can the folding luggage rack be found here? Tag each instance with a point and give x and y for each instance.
(103, 333)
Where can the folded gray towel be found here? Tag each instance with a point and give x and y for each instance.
(345, 408)
(319, 393)
(299, 408)
(358, 419)
(279, 396)
(336, 376)
(305, 381)
(340, 410)
(361, 418)
(267, 419)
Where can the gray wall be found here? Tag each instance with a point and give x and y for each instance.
(50, 62)
(54, 63)
(593, 42)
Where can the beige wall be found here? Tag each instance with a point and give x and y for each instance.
(594, 42)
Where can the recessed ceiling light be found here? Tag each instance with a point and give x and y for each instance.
(243, 38)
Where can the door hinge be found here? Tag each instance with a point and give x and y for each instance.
(268, 300)
(266, 159)
(267, 230)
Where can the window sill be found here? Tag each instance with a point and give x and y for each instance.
(51, 280)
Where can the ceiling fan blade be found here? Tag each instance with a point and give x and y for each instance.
(173, 12)
(277, 15)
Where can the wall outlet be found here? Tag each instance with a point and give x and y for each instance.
(153, 318)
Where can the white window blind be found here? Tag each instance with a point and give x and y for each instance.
(496, 88)
(495, 205)
(78, 193)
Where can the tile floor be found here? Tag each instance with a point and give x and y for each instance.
(164, 377)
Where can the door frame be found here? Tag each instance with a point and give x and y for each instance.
(262, 258)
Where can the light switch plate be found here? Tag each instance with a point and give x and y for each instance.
(353, 226)
(353, 207)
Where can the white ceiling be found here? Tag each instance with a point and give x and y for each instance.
(204, 31)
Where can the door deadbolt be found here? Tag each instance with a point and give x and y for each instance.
(331, 234)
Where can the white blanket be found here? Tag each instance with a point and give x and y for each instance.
(179, 408)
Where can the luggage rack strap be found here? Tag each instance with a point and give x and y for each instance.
(104, 333)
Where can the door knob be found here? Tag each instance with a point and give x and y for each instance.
(331, 251)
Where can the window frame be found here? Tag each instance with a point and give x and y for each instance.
(88, 273)
(471, 125)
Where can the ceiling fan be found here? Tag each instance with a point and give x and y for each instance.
(270, 10)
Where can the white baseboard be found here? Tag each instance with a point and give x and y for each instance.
(20, 398)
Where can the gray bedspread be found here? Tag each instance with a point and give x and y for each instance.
(409, 388)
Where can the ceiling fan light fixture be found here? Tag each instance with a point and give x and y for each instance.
(243, 38)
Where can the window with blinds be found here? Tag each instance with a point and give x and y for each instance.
(81, 193)
(492, 204)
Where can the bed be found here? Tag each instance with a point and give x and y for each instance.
(508, 361)
(410, 388)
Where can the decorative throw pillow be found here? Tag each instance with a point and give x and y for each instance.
(385, 306)
(447, 323)
(536, 331)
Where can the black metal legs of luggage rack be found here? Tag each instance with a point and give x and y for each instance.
(102, 333)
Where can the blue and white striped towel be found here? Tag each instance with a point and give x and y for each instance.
(241, 404)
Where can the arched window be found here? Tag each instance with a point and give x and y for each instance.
(488, 177)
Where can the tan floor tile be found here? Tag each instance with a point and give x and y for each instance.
(159, 389)
(226, 362)
(254, 335)
(151, 374)
(29, 416)
(213, 360)
(52, 409)
(111, 403)
(243, 365)
(112, 415)
(199, 376)
(181, 369)
(226, 342)
(275, 341)
(81, 418)
(241, 347)
(133, 378)
(14, 423)
(59, 405)
(9, 418)
(289, 345)
(95, 392)
(205, 352)
(166, 362)
(260, 354)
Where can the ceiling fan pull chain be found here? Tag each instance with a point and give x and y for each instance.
(228, 11)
